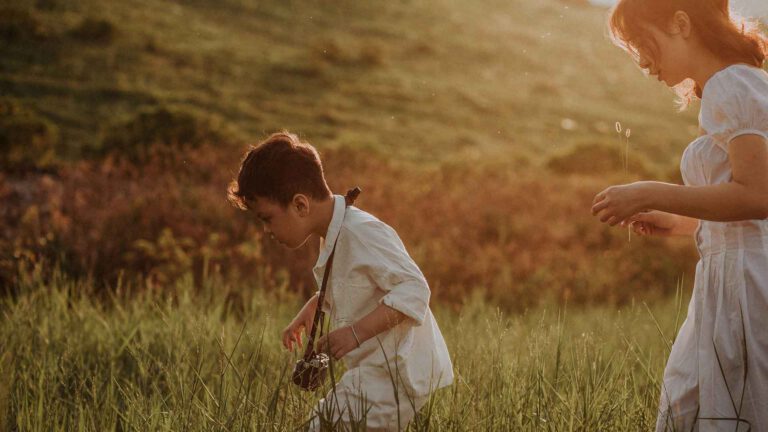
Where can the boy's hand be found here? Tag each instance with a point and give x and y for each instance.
(338, 342)
(302, 322)
(292, 333)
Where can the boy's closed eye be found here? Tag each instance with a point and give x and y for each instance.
(263, 218)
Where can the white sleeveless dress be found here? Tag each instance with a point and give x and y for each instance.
(716, 378)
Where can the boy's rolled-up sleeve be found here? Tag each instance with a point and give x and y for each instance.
(409, 297)
(387, 262)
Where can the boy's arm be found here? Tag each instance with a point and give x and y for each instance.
(341, 341)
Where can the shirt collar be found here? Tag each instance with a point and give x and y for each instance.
(334, 228)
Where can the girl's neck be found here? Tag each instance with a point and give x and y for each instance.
(707, 67)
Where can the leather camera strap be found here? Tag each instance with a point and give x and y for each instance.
(349, 198)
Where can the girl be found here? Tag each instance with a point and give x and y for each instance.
(717, 374)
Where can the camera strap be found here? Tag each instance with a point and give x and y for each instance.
(349, 199)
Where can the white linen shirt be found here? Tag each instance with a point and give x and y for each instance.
(372, 267)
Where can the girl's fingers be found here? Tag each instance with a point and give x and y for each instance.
(599, 197)
(599, 206)
(637, 227)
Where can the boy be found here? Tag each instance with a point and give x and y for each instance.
(377, 298)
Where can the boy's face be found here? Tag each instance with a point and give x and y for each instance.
(289, 225)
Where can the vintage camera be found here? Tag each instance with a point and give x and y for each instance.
(309, 373)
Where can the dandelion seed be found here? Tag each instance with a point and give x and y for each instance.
(623, 157)
(626, 149)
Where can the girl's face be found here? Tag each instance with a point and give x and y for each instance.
(669, 62)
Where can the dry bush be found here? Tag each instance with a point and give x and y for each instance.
(591, 159)
(26, 140)
(517, 236)
(520, 236)
(18, 25)
(94, 30)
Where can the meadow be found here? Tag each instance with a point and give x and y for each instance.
(184, 359)
(134, 297)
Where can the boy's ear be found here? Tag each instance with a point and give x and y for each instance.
(300, 202)
(681, 24)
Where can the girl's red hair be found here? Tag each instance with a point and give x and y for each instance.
(729, 37)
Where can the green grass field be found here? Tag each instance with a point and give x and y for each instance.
(199, 361)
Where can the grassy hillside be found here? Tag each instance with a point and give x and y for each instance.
(416, 80)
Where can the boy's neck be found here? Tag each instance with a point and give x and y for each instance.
(324, 213)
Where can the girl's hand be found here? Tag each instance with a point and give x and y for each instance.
(338, 342)
(617, 203)
(657, 223)
(292, 333)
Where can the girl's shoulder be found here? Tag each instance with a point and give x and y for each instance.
(735, 101)
(734, 81)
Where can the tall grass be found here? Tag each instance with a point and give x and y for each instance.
(188, 359)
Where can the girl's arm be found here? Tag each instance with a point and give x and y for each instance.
(744, 198)
(341, 341)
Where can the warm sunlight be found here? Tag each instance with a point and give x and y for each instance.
(434, 215)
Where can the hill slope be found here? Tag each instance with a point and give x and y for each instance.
(419, 80)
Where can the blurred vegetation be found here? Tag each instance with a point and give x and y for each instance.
(27, 141)
(521, 236)
(163, 129)
(121, 124)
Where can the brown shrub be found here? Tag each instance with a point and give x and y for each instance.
(26, 141)
(17, 25)
(521, 237)
(95, 31)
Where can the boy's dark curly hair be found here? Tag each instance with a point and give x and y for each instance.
(278, 168)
